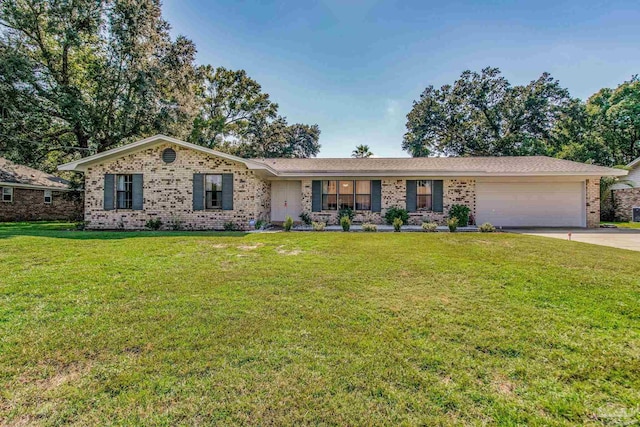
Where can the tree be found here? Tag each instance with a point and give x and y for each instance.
(277, 139)
(481, 114)
(229, 101)
(361, 152)
(84, 76)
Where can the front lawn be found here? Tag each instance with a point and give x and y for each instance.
(624, 224)
(315, 328)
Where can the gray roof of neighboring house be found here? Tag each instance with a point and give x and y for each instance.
(464, 165)
(20, 175)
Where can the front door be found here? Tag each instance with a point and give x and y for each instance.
(286, 200)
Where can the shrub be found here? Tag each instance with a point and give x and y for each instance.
(461, 212)
(260, 224)
(487, 228)
(175, 223)
(396, 212)
(369, 227)
(345, 222)
(82, 225)
(318, 226)
(429, 226)
(397, 224)
(452, 223)
(154, 224)
(288, 223)
(348, 212)
(305, 218)
(231, 226)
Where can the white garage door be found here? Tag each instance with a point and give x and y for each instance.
(526, 204)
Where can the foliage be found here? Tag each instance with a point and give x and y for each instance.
(607, 208)
(84, 76)
(461, 212)
(176, 223)
(481, 114)
(139, 315)
(318, 226)
(430, 226)
(154, 224)
(305, 217)
(396, 212)
(487, 228)
(260, 224)
(397, 224)
(452, 223)
(231, 226)
(361, 152)
(369, 227)
(288, 223)
(348, 212)
(345, 223)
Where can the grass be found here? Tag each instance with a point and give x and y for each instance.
(162, 328)
(624, 224)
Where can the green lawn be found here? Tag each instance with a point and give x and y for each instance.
(156, 328)
(624, 224)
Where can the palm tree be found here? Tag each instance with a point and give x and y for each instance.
(361, 152)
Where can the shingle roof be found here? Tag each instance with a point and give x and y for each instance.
(427, 165)
(16, 174)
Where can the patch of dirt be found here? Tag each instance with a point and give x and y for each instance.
(282, 251)
(503, 386)
(250, 247)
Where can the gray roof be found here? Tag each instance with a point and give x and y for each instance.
(20, 175)
(464, 165)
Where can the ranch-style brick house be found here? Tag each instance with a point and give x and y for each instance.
(172, 180)
(626, 197)
(28, 194)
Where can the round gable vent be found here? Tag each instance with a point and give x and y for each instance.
(168, 155)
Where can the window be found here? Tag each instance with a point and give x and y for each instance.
(47, 197)
(346, 194)
(213, 191)
(124, 191)
(423, 195)
(7, 194)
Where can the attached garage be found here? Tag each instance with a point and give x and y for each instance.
(531, 204)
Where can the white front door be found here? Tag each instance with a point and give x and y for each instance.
(286, 200)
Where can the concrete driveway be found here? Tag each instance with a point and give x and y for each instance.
(622, 238)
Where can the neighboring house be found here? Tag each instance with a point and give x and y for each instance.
(27, 194)
(626, 197)
(199, 188)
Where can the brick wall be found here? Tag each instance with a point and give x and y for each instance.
(593, 202)
(28, 205)
(168, 191)
(393, 193)
(624, 201)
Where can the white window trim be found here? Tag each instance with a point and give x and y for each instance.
(10, 192)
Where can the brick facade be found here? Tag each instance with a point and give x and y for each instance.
(592, 198)
(393, 193)
(168, 191)
(624, 200)
(28, 205)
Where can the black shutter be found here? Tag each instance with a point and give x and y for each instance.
(316, 196)
(137, 192)
(109, 191)
(376, 196)
(227, 191)
(411, 195)
(437, 195)
(198, 192)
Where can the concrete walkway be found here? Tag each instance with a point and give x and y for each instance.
(622, 238)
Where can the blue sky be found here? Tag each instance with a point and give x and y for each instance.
(355, 67)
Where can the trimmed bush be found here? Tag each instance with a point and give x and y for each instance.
(369, 227)
(396, 212)
(305, 218)
(348, 212)
(429, 226)
(487, 228)
(154, 224)
(461, 212)
(452, 223)
(318, 226)
(288, 223)
(231, 226)
(345, 222)
(397, 224)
